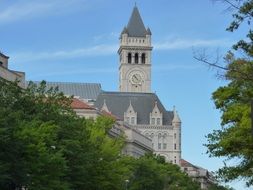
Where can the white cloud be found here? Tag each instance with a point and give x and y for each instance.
(111, 49)
(99, 50)
(169, 67)
(106, 37)
(179, 43)
(25, 9)
(74, 72)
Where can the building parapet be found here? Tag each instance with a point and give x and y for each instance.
(13, 76)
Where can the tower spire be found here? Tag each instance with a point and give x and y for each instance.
(135, 26)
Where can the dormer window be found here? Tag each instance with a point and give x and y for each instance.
(132, 120)
(153, 121)
(130, 116)
(156, 116)
(158, 121)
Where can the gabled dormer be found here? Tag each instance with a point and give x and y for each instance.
(105, 108)
(130, 116)
(156, 116)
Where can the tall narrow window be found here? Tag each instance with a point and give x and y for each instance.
(158, 122)
(143, 58)
(153, 121)
(136, 58)
(159, 146)
(175, 146)
(132, 120)
(129, 58)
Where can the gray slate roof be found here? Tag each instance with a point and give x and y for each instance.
(83, 90)
(143, 104)
(135, 26)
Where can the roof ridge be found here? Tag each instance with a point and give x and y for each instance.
(66, 82)
(137, 93)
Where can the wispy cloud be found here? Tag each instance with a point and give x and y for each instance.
(75, 72)
(107, 37)
(111, 49)
(170, 67)
(98, 50)
(25, 9)
(179, 43)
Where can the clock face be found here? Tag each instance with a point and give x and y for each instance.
(136, 79)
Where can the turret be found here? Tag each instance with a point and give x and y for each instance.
(176, 121)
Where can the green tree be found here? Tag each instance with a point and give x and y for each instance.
(152, 172)
(45, 145)
(234, 140)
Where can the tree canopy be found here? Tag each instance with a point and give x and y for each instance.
(45, 145)
(234, 140)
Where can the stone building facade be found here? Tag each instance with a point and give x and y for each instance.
(8, 74)
(136, 144)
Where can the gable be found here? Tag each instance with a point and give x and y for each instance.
(143, 104)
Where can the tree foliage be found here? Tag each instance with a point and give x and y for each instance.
(45, 145)
(234, 140)
(152, 172)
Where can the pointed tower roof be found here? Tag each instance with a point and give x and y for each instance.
(135, 26)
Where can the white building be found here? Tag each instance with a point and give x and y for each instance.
(135, 103)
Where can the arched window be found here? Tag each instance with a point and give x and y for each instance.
(129, 58)
(143, 58)
(136, 58)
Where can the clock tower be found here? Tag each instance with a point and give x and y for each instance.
(135, 56)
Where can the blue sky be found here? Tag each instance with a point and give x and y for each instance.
(77, 41)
